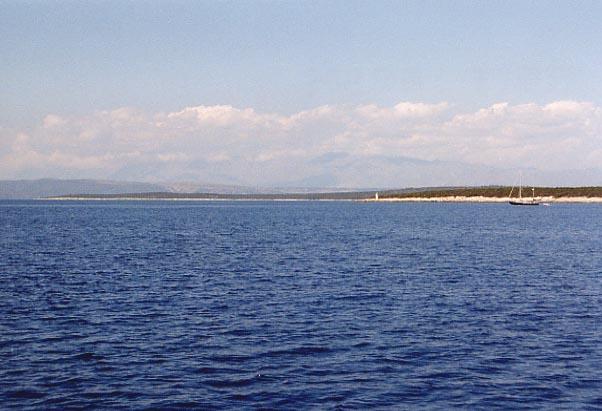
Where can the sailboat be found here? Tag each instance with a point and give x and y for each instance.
(523, 201)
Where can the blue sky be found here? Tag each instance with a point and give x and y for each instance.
(286, 56)
(76, 58)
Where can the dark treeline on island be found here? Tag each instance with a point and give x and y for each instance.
(501, 192)
(489, 191)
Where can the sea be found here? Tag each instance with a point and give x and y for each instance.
(299, 305)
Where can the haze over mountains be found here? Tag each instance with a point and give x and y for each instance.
(48, 187)
(392, 172)
(408, 144)
(331, 172)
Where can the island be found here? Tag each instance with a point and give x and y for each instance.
(489, 194)
(495, 194)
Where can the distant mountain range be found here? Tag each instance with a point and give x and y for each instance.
(28, 189)
(41, 188)
(25, 189)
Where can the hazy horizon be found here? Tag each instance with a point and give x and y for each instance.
(337, 94)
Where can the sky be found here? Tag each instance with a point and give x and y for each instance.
(308, 93)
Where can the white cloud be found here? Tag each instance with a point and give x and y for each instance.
(243, 145)
(52, 120)
(403, 110)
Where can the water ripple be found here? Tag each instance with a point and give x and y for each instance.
(299, 306)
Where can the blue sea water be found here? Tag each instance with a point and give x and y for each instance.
(299, 305)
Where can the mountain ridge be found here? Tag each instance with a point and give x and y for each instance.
(51, 187)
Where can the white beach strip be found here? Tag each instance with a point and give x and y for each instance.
(481, 199)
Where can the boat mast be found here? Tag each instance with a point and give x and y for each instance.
(520, 186)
